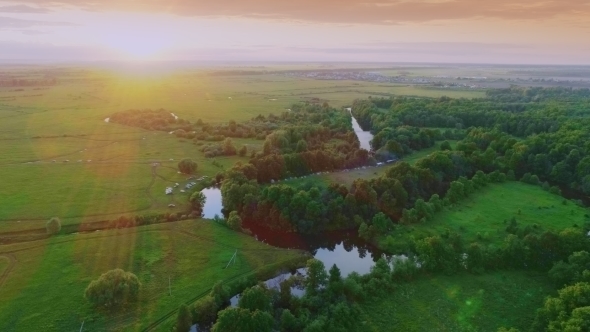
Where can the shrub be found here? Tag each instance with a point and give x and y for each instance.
(53, 226)
(187, 166)
(113, 289)
(234, 221)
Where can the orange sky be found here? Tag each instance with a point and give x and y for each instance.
(501, 31)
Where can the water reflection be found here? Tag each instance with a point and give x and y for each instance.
(213, 204)
(343, 248)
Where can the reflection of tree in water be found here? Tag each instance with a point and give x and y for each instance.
(312, 243)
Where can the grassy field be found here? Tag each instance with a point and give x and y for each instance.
(54, 273)
(461, 303)
(4, 263)
(486, 211)
(58, 157)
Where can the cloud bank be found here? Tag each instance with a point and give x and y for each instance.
(11, 23)
(341, 11)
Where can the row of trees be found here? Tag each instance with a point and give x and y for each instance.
(330, 301)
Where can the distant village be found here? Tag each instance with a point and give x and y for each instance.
(464, 82)
(379, 78)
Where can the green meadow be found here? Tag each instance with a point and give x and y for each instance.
(460, 303)
(191, 255)
(484, 216)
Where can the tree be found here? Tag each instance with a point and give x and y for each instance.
(288, 322)
(255, 298)
(301, 146)
(364, 232)
(445, 146)
(53, 226)
(576, 269)
(267, 147)
(335, 285)
(234, 221)
(205, 310)
(243, 151)
(579, 321)
(228, 147)
(197, 201)
(560, 311)
(187, 166)
(184, 320)
(220, 293)
(382, 223)
(456, 191)
(243, 320)
(335, 275)
(113, 289)
(316, 276)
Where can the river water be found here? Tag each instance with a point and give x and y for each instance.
(365, 137)
(344, 249)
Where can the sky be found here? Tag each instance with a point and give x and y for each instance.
(438, 31)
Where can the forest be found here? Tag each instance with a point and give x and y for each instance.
(535, 136)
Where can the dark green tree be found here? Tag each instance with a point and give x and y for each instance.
(446, 146)
(316, 276)
(197, 200)
(205, 310)
(234, 221)
(255, 298)
(184, 320)
(243, 151)
(301, 146)
(243, 320)
(228, 147)
(187, 166)
(113, 289)
(381, 223)
(288, 322)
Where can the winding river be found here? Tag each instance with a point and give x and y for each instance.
(344, 248)
(365, 137)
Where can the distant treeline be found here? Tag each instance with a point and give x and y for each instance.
(22, 82)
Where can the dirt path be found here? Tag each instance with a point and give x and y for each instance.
(11, 264)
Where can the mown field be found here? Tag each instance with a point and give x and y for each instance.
(484, 216)
(460, 303)
(45, 289)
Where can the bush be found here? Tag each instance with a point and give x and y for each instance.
(187, 166)
(53, 226)
(234, 221)
(113, 289)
